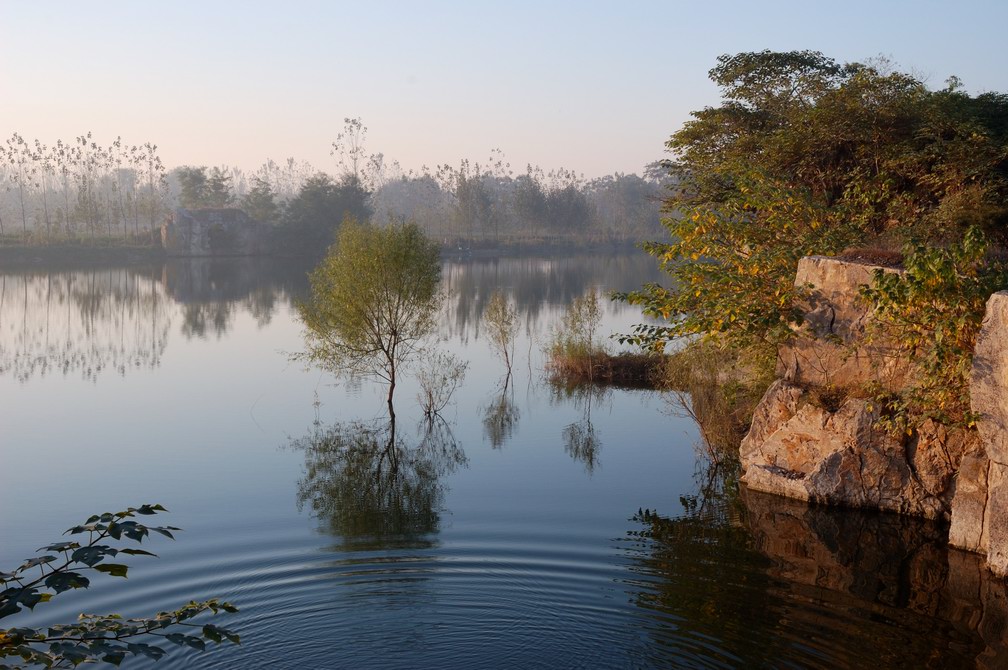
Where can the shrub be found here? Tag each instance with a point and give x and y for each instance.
(932, 313)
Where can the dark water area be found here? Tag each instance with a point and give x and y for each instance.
(528, 528)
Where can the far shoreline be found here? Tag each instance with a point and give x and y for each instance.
(21, 257)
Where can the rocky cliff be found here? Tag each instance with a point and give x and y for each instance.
(815, 433)
(980, 507)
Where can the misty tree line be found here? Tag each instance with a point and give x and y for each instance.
(472, 201)
(80, 190)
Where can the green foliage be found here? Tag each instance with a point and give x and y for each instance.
(374, 300)
(568, 209)
(201, 189)
(733, 266)
(806, 156)
(931, 315)
(109, 638)
(218, 189)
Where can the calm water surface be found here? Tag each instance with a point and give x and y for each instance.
(530, 528)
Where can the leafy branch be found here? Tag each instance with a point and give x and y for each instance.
(932, 314)
(109, 638)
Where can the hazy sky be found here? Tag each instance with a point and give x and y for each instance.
(589, 85)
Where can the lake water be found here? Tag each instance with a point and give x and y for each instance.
(529, 528)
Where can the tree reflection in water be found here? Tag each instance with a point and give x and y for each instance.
(501, 416)
(370, 486)
(86, 322)
(581, 441)
(115, 320)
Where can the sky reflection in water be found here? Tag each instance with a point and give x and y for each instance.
(527, 528)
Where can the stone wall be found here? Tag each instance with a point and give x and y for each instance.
(814, 435)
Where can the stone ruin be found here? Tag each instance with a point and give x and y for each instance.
(804, 444)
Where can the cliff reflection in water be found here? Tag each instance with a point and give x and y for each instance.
(828, 588)
(371, 486)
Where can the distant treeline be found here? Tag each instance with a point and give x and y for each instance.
(81, 191)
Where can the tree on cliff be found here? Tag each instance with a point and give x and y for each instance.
(808, 156)
(374, 299)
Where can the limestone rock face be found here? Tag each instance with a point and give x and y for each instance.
(969, 505)
(989, 378)
(936, 453)
(980, 513)
(799, 449)
(830, 348)
(995, 522)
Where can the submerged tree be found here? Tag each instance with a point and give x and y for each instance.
(501, 320)
(374, 299)
(439, 377)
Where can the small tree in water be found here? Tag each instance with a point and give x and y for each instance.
(501, 320)
(572, 351)
(374, 298)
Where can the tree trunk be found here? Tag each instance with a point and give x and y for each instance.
(391, 393)
(45, 207)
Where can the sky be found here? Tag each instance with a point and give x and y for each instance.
(597, 87)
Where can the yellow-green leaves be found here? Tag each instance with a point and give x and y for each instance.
(374, 300)
(932, 313)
